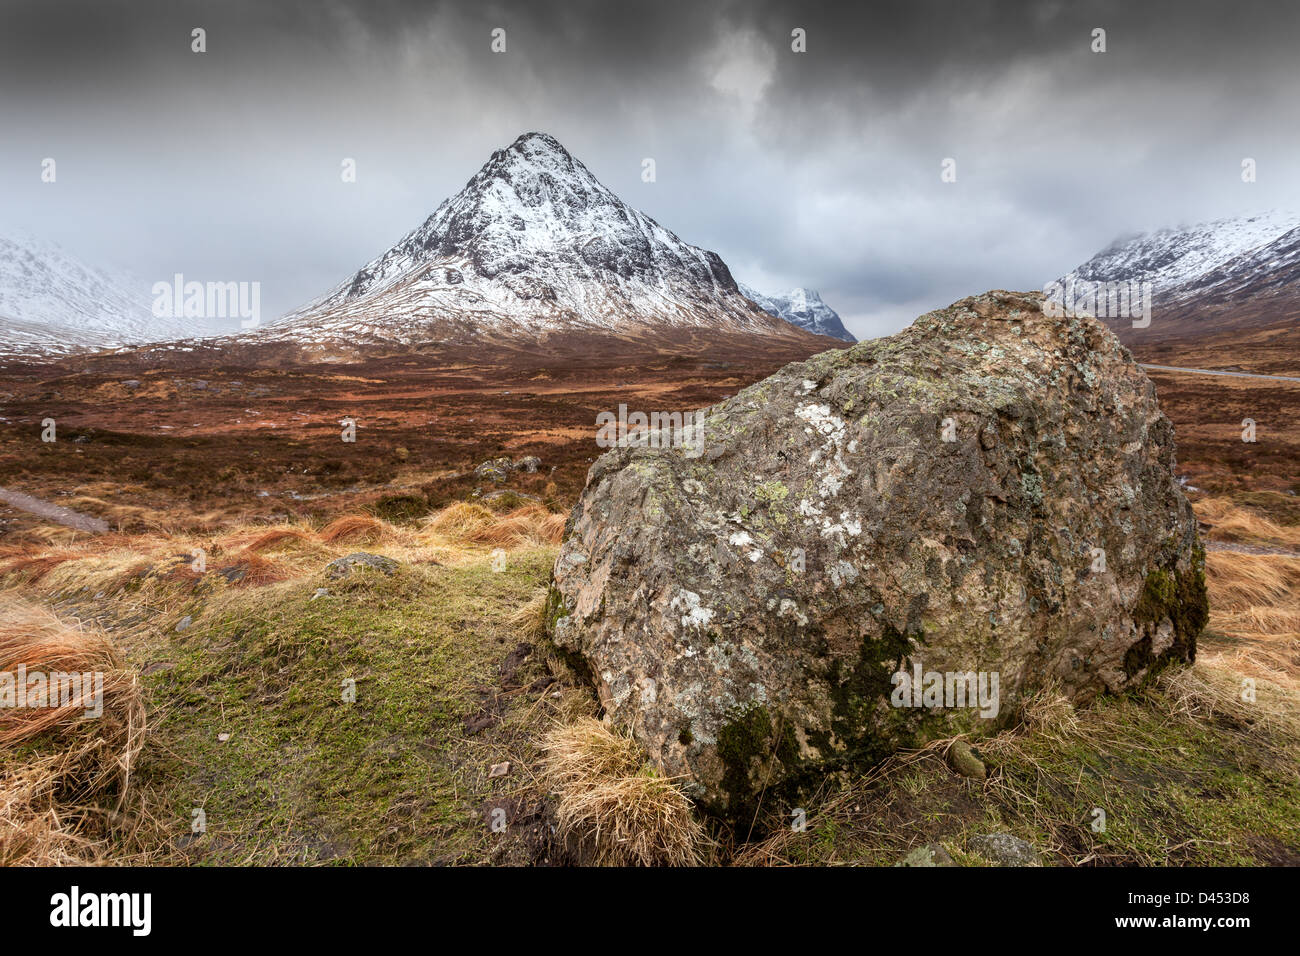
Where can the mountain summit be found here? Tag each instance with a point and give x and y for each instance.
(534, 244)
(804, 308)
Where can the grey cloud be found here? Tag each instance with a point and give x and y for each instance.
(819, 169)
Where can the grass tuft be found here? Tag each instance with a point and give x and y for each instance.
(616, 810)
(64, 776)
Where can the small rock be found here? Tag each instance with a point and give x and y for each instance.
(183, 623)
(234, 574)
(499, 770)
(222, 738)
(1004, 849)
(529, 463)
(932, 854)
(342, 567)
(320, 592)
(495, 469)
(963, 760)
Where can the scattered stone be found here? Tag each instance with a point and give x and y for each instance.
(529, 463)
(342, 567)
(183, 623)
(1005, 850)
(963, 760)
(939, 503)
(495, 469)
(222, 738)
(234, 574)
(931, 854)
(320, 592)
(499, 770)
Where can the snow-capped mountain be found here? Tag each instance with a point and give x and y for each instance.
(1230, 272)
(50, 301)
(534, 244)
(801, 307)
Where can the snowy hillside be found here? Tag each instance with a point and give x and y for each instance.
(50, 301)
(1210, 258)
(804, 308)
(534, 243)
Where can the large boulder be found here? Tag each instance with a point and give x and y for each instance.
(988, 494)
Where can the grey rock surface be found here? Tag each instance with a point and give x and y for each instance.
(1005, 850)
(989, 493)
(342, 567)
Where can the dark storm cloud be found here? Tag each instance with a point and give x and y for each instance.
(820, 169)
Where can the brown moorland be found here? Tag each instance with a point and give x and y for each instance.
(462, 711)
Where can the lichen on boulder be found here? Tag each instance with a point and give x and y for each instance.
(987, 494)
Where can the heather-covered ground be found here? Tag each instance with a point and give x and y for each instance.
(265, 711)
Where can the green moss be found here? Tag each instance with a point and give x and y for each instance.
(748, 746)
(1176, 596)
(771, 491)
(555, 608)
(1176, 790)
(1158, 594)
(307, 775)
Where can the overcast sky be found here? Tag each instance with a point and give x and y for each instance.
(819, 169)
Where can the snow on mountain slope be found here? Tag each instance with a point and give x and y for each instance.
(1222, 280)
(534, 243)
(50, 301)
(801, 307)
(1214, 259)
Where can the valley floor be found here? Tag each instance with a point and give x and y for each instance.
(268, 707)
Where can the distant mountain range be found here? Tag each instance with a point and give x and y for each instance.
(536, 249)
(51, 302)
(804, 308)
(1218, 278)
(534, 246)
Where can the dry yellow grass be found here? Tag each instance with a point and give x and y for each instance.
(613, 809)
(1230, 521)
(356, 529)
(34, 567)
(459, 521)
(266, 554)
(67, 781)
(1254, 614)
(274, 538)
(530, 618)
(528, 527)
